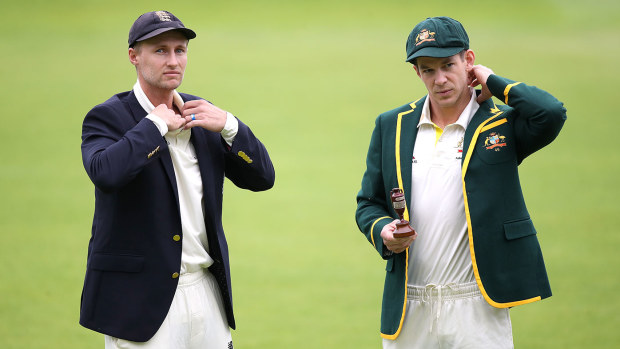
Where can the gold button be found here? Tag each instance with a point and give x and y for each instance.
(176, 237)
(175, 275)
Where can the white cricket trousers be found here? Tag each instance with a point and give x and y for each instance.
(196, 319)
(452, 316)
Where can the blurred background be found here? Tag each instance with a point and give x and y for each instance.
(309, 77)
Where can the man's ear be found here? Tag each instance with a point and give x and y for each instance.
(470, 58)
(416, 70)
(133, 56)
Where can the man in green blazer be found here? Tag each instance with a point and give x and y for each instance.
(454, 153)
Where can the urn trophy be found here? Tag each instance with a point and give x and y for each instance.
(403, 229)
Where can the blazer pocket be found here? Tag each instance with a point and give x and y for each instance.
(116, 262)
(518, 229)
(496, 143)
(389, 265)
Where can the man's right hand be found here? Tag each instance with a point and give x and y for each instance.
(396, 245)
(172, 120)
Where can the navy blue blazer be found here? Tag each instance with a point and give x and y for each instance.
(132, 255)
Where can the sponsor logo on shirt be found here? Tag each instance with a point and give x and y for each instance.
(459, 149)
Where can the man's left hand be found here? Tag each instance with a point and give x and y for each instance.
(205, 114)
(478, 75)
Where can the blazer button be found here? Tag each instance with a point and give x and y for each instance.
(175, 275)
(176, 237)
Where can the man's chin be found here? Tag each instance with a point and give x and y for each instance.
(171, 84)
(444, 101)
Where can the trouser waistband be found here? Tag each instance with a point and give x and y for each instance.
(186, 279)
(446, 292)
(436, 295)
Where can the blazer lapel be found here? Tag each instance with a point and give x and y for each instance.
(204, 153)
(138, 114)
(485, 111)
(137, 111)
(205, 158)
(408, 122)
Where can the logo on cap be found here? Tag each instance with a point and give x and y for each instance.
(163, 16)
(424, 36)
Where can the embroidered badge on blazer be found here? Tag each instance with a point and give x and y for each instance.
(245, 157)
(495, 141)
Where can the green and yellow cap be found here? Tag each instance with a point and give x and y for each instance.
(436, 37)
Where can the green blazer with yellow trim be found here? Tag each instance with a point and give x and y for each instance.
(507, 260)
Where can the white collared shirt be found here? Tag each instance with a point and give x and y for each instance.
(440, 253)
(195, 247)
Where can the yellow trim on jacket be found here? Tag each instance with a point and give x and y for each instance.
(405, 216)
(494, 124)
(402, 317)
(507, 89)
(372, 228)
(397, 152)
(470, 150)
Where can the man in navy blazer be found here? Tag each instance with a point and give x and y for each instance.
(158, 269)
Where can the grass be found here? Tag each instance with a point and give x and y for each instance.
(309, 78)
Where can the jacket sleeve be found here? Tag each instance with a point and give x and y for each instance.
(115, 149)
(248, 164)
(538, 116)
(372, 214)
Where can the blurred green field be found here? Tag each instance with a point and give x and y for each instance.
(309, 77)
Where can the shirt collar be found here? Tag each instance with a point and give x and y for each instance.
(146, 103)
(464, 118)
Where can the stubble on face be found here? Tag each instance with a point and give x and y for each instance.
(161, 61)
(446, 80)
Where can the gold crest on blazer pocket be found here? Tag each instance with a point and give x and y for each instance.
(496, 143)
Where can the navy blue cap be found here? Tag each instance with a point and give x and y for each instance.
(154, 23)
